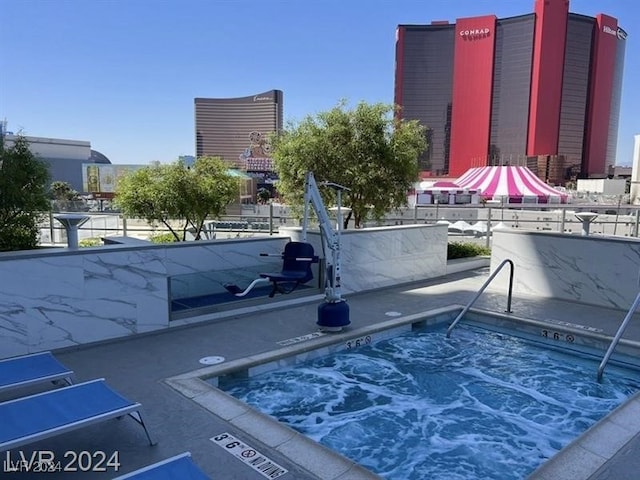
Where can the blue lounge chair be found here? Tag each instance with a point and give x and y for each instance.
(30, 419)
(180, 467)
(31, 369)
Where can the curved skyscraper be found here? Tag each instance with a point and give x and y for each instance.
(238, 129)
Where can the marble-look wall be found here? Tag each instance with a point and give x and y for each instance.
(385, 256)
(57, 298)
(592, 270)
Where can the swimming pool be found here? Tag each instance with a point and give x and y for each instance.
(478, 405)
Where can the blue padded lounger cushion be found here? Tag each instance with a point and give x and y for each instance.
(30, 369)
(180, 467)
(64, 407)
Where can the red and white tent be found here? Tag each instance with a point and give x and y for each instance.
(510, 185)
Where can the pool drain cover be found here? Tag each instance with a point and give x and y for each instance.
(214, 360)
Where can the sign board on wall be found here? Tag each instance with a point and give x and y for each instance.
(101, 179)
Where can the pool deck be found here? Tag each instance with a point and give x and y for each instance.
(150, 369)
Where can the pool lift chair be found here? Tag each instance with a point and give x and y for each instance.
(297, 257)
(296, 270)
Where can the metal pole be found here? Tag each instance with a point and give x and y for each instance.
(635, 226)
(124, 226)
(270, 218)
(307, 198)
(488, 228)
(619, 333)
(53, 241)
(615, 226)
(482, 289)
(72, 236)
(562, 219)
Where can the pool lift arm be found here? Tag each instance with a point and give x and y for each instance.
(333, 314)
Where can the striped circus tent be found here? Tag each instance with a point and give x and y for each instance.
(510, 184)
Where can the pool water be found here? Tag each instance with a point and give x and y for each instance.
(477, 405)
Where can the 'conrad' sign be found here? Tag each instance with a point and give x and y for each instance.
(474, 33)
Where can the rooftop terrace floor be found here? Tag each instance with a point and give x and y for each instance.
(138, 368)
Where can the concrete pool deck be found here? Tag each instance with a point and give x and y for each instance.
(140, 367)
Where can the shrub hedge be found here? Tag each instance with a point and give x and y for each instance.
(465, 250)
(90, 242)
(162, 238)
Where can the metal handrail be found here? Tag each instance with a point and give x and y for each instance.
(618, 336)
(482, 289)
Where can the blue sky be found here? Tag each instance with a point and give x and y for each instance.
(123, 74)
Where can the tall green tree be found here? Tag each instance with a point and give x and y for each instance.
(23, 195)
(366, 149)
(169, 193)
(63, 191)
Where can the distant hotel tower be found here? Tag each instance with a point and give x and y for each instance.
(238, 129)
(541, 89)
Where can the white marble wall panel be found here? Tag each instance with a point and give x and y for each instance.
(152, 314)
(220, 255)
(28, 298)
(14, 335)
(59, 298)
(25, 276)
(592, 270)
(63, 299)
(385, 256)
(124, 272)
(76, 321)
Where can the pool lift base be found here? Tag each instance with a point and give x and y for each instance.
(333, 317)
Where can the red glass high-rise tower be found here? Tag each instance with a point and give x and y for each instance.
(541, 89)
